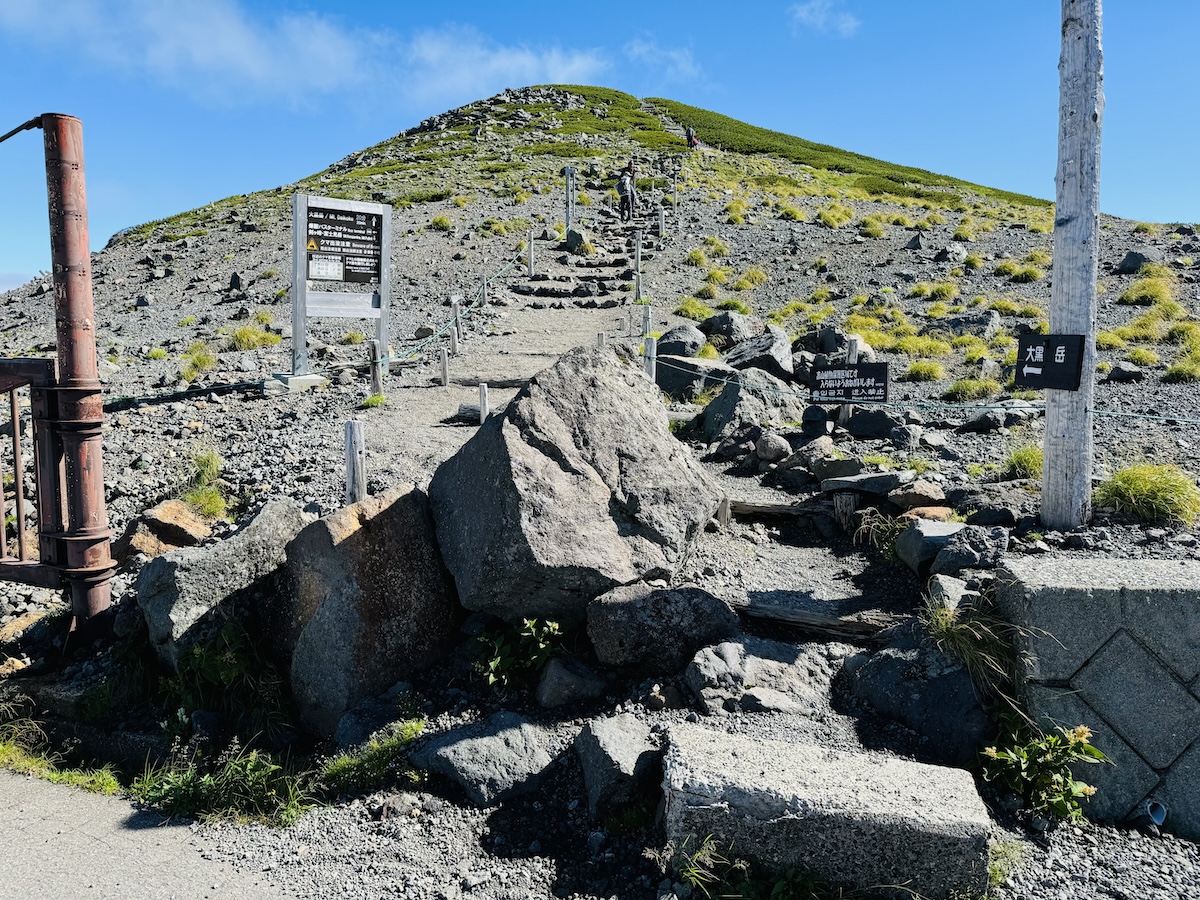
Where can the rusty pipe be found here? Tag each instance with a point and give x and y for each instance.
(83, 546)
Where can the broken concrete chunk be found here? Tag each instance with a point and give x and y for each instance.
(621, 763)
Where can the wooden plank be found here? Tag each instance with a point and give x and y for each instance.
(1067, 473)
(864, 627)
(759, 508)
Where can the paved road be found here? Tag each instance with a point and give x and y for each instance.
(59, 843)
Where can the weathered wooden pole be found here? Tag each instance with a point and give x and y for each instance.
(1067, 468)
(356, 462)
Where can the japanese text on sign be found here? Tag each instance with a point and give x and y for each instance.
(343, 245)
(1049, 361)
(861, 382)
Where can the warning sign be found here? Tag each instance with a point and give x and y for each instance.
(857, 383)
(344, 245)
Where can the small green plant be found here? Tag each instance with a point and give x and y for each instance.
(374, 401)
(708, 292)
(23, 750)
(1142, 356)
(1038, 768)
(735, 305)
(441, 223)
(250, 337)
(973, 262)
(966, 389)
(925, 370)
(156, 353)
(1147, 292)
(1153, 493)
(352, 337)
(717, 276)
(204, 493)
(187, 320)
(263, 317)
(383, 759)
(691, 308)
(696, 258)
(1004, 858)
(1145, 228)
(716, 247)
(268, 273)
(1024, 462)
(1039, 256)
(835, 215)
(197, 360)
(512, 654)
(880, 531)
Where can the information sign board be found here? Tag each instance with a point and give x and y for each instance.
(1049, 361)
(850, 383)
(343, 245)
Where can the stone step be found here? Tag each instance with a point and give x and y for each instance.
(853, 819)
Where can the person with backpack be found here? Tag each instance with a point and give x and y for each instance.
(627, 190)
(692, 141)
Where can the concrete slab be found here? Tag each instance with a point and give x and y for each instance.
(1178, 794)
(860, 820)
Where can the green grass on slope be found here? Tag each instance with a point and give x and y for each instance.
(883, 177)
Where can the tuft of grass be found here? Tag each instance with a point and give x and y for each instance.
(1152, 493)
(204, 493)
(250, 337)
(197, 360)
(441, 223)
(1145, 228)
(352, 337)
(1023, 462)
(23, 750)
(835, 215)
(1147, 292)
(1143, 356)
(374, 401)
(716, 247)
(978, 639)
(735, 305)
(691, 308)
(1039, 256)
(381, 761)
(717, 276)
(925, 370)
(871, 227)
(920, 345)
(696, 258)
(708, 292)
(156, 353)
(967, 389)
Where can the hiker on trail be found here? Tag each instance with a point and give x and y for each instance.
(626, 188)
(692, 142)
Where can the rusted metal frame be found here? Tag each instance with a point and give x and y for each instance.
(18, 476)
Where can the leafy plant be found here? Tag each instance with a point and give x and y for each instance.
(369, 767)
(374, 401)
(511, 654)
(1153, 493)
(1038, 768)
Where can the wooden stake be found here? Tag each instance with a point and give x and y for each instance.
(376, 368)
(485, 409)
(1067, 473)
(601, 337)
(356, 462)
(445, 368)
(651, 357)
(847, 409)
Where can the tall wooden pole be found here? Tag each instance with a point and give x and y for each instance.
(1067, 469)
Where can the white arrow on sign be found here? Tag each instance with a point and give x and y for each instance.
(1036, 370)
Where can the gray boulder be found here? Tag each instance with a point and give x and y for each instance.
(772, 447)
(867, 423)
(576, 488)
(186, 595)
(621, 764)
(686, 378)
(752, 397)
(920, 542)
(732, 326)
(972, 547)
(656, 630)
(869, 482)
(1131, 263)
(756, 675)
(682, 340)
(1123, 372)
(854, 819)
(365, 601)
(770, 351)
(493, 760)
(985, 324)
(566, 680)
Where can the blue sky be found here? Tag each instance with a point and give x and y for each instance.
(184, 103)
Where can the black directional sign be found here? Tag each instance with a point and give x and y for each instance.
(854, 383)
(344, 245)
(1049, 361)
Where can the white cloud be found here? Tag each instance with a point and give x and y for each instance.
(219, 52)
(825, 16)
(676, 65)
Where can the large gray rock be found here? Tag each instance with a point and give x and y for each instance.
(365, 602)
(757, 675)
(770, 351)
(493, 760)
(186, 595)
(682, 340)
(873, 422)
(851, 819)
(621, 763)
(752, 397)
(733, 327)
(972, 547)
(686, 378)
(985, 324)
(577, 488)
(1132, 262)
(656, 631)
(920, 542)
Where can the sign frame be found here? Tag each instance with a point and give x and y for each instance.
(877, 372)
(308, 303)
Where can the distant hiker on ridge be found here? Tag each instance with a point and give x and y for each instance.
(627, 189)
(692, 141)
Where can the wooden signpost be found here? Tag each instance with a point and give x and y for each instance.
(1067, 468)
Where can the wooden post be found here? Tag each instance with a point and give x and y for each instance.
(651, 354)
(1067, 473)
(445, 368)
(847, 409)
(482, 290)
(376, 368)
(485, 408)
(356, 462)
(600, 340)
(646, 320)
(530, 252)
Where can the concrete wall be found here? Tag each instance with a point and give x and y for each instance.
(1115, 645)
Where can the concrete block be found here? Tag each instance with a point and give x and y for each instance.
(1119, 787)
(1180, 794)
(1065, 610)
(859, 820)
(620, 763)
(293, 384)
(1141, 699)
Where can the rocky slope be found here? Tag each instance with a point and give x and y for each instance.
(806, 248)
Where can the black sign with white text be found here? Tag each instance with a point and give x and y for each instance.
(852, 383)
(1049, 361)
(344, 246)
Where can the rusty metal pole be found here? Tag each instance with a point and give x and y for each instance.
(83, 552)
